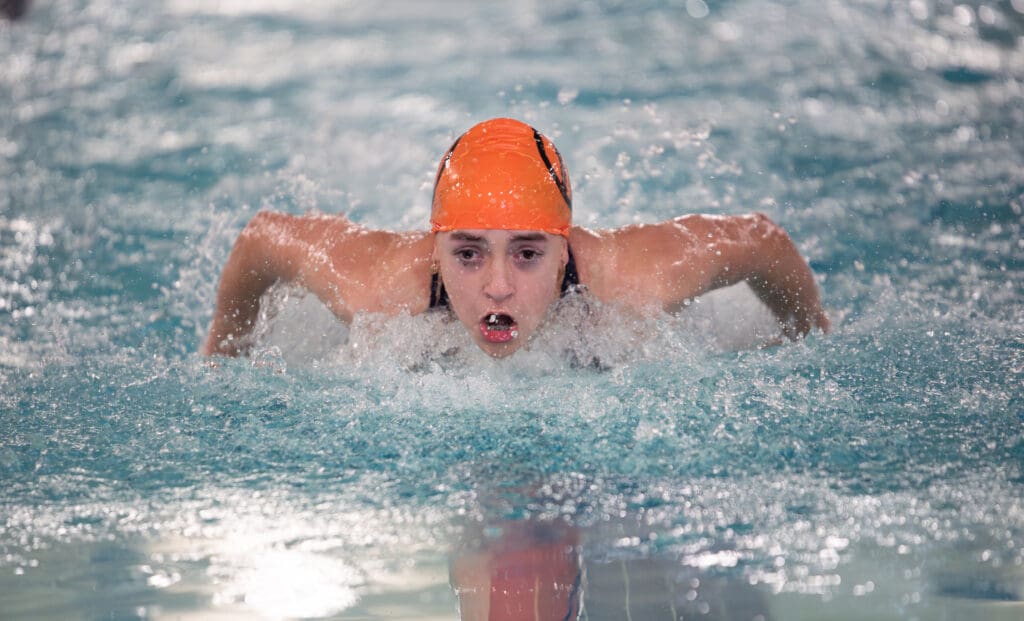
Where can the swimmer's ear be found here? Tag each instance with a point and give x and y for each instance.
(434, 251)
(565, 253)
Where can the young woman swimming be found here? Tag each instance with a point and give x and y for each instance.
(502, 249)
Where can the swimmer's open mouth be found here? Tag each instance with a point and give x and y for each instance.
(498, 328)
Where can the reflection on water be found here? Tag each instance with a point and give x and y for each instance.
(246, 556)
(532, 571)
(519, 570)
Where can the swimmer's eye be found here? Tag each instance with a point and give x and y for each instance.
(528, 255)
(467, 256)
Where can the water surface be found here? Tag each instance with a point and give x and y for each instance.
(347, 473)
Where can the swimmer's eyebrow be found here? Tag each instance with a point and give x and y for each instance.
(465, 237)
(532, 237)
(521, 237)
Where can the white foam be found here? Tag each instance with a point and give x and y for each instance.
(579, 331)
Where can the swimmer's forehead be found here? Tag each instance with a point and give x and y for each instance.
(481, 235)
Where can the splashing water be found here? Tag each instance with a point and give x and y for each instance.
(343, 471)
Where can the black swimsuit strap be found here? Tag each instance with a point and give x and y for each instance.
(571, 277)
(439, 297)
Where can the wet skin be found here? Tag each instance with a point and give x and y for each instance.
(511, 275)
(500, 283)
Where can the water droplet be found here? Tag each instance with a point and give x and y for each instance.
(697, 9)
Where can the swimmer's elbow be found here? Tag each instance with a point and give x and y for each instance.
(252, 237)
(767, 243)
(264, 249)
(262, 225)
(765, 228)
(747, 248)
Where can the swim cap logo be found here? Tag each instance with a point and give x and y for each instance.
(502, 174)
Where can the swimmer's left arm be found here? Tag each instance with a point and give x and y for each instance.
(724, 250)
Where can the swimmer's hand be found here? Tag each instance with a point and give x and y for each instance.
(798, 326)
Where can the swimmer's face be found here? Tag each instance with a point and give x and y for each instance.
(500, 283)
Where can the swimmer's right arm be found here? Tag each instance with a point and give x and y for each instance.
(272, 248)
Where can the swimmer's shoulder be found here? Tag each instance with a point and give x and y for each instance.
(598, 255)
(310, 226)
(389, 271)
(332, 233)
(373, 270)
(640, 266)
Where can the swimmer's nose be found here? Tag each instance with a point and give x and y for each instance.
(499, 284)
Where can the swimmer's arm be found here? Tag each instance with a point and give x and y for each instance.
(272, 248)
(755, 250)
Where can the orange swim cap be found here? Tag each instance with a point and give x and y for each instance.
(502, 174)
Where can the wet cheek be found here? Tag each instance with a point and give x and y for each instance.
(463, 307)
(537, 305)
(463, 311)
(546, 290)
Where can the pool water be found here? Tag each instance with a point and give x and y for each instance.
(669, 468)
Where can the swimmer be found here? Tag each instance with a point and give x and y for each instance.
(502, 249)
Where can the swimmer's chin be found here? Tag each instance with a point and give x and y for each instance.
(501, 350)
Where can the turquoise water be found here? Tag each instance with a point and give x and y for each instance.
(343, 473)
